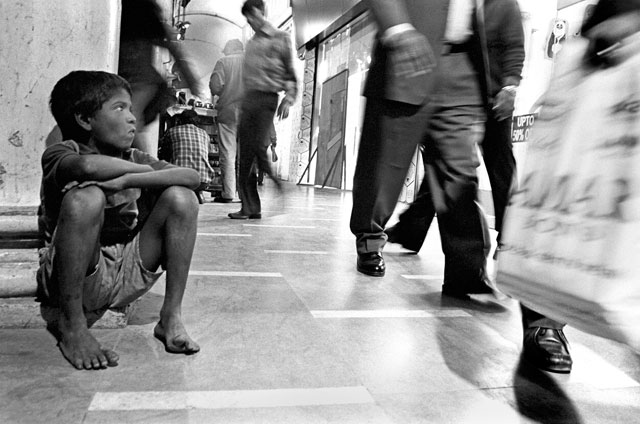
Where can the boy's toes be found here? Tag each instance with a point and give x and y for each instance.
(177, 344)
(111, 358)
(78, 363)
(182, 344)
(98, 361)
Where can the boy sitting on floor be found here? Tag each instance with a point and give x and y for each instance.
(104, 247)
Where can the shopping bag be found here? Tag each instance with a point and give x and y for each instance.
(572, 228)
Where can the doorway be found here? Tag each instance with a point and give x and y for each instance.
(330, 166)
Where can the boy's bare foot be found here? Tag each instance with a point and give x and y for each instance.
(82, 350)
(175, 338)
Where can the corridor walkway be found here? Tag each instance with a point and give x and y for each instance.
(292, 333)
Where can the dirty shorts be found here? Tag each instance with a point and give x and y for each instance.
(119, 277)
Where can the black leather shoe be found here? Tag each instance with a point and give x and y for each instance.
(222, 200)
(242, 215)
(462, 291)
(394, 235)
(547, 349)
(371, 263)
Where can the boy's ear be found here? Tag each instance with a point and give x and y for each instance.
(83, 121)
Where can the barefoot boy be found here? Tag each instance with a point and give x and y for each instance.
(104, 247)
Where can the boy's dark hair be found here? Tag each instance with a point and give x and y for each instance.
(83, 93)
(249, 4)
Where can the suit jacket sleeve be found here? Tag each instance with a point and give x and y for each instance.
(428, 18)
(512, 35)
(388, 13)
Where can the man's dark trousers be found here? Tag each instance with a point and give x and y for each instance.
(256, 118)
(497, 152)
(445, 126)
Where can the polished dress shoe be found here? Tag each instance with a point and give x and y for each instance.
(547, 349)
(462, 291)
(223, 200)
(371, 263)
(242, 215)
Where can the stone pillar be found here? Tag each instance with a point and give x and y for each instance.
(40, 42)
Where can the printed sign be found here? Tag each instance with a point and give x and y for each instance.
(521, 127)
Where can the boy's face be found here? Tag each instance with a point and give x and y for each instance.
(113, 126)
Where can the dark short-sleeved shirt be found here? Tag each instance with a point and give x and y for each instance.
(119, 221)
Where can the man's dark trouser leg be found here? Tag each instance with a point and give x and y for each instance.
(532, 319)
(413, 224)
(497, 152)
(258, 110)
(390, 134)
(452, 145)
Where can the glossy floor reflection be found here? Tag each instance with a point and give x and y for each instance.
(292, 333)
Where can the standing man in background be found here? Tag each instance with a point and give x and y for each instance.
(226, 83)
(268, 70)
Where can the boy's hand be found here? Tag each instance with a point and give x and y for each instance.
(109, 186)
(114, 190)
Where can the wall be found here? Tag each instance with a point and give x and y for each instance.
(213, 23)
(40, 42)
(312, 16)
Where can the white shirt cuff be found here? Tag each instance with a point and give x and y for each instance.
(394, 30)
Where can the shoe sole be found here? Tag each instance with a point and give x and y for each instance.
(555, 370)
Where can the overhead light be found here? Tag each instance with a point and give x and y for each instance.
(183, 25)
(182, 29)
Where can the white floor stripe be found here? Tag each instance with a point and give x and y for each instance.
(136, 401)
(421, 277)
(224, 235)
(387, 313)
(297, 252)
(320, 219)
(277, 226)
(308, 208)
(592, 369)
(234, 274)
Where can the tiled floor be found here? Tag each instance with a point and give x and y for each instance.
(291, 333)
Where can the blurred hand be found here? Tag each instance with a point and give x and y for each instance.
(283, 109)
(410, 54)
(503, 105)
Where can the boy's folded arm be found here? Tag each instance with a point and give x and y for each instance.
(97, 168)
(170, 176)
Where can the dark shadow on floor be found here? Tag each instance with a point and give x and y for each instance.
(538, 397)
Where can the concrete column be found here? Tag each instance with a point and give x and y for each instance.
(40, 42)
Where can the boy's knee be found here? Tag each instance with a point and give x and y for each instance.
(86, 203)
(181, 200)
